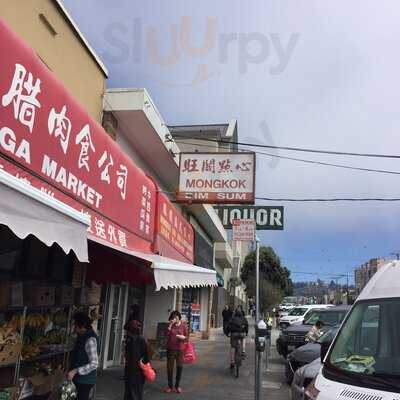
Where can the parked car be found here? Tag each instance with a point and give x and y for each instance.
(363, 362)
(295, 335)
(303, 377)
(307, 353)
(297, 314)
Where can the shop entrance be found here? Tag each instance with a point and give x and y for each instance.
(117, 303)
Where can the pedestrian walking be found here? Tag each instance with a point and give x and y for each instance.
(84, 356)
(178, 336)
(227, 315)
(239, 308)
(136, 351)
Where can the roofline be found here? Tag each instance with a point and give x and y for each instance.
(59, 4)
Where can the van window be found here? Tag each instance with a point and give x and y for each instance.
(298, 312)
(368, 345)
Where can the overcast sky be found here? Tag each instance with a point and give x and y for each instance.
(305, 73)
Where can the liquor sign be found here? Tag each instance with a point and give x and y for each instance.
(55, 146)
(266, 217)
(217, 178)
(173, 231)
(243, 230)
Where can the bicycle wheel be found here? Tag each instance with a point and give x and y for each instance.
(237, 361)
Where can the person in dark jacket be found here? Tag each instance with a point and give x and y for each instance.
(237, 329)
(136, 351)
(227, 315)
(84, 357)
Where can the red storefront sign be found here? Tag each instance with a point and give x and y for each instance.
(55, 145)
(174, 235)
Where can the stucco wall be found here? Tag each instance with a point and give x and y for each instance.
(63, 52)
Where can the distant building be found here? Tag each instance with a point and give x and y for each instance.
(364, 273)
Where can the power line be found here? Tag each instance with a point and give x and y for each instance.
(327, 200)
(305, 150)
(344, 166)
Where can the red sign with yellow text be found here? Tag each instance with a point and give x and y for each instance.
(49, 136)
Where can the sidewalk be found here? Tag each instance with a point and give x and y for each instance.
(210, 378)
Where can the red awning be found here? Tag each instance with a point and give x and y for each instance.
(111, 266)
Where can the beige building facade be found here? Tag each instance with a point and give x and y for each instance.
(49, 29)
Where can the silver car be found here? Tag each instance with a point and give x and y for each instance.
(303, 377)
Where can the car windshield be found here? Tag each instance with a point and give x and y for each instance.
(298, 311)
(328, 336)
(368, 345)
(326, 317)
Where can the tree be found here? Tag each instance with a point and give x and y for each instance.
(275, 282)
(271, 269)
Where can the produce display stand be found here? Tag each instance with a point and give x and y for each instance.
(35, 343)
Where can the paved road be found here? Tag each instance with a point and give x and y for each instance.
(209, 378)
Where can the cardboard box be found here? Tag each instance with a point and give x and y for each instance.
(39, 296)
(42, 384)
(93, 294)
(65, 296)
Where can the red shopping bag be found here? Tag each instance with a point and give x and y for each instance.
(189, 354)
(148, 371)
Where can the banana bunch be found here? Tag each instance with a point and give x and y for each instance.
(14, 324)
(9, 336)
(37, 321)
(30, 351)
(59, 318)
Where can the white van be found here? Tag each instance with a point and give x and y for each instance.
(363, 362)
(297, 314)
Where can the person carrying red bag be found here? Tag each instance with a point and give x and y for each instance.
(178, 336)
(136, 352)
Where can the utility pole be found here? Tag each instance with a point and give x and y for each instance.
(257, 387)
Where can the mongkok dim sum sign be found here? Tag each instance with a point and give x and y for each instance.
(217, 178)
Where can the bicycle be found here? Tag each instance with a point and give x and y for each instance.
(237, 344)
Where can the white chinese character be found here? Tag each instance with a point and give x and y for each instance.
(148, 218)
(142, 213)
(105, 176)
(111, 233)
(147, 229)
(144, 189)
(122, 239)
(143, 202)
(122, 178)
(60, 125)
(22, 94)
(141, 225)
(84, 139)
(148, 206)
(100, 228)
(149, 195)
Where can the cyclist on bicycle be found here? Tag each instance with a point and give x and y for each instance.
(237, 329)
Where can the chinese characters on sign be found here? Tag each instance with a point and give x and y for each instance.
(244, 230)
(217, 178)
(175, 229)
(45, 131)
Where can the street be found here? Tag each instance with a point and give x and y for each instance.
(210, 377)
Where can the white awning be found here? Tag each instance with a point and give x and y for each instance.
(169, 273)
(26, 210)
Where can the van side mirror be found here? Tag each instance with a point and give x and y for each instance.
(324, 350)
